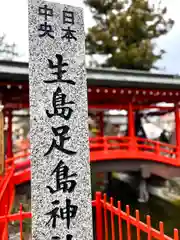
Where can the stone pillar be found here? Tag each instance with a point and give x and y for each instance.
(143, 191)
(61, 195)
(143, 187)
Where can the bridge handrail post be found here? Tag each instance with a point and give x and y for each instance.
(176, 234)
(21, 221)
(133, 143)
(157, 148)
(105, 143)
(99, 225)
(177, 154)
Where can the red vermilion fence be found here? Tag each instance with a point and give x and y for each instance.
(110, 222)
(105, 223)
(7, 192)
(9, 218)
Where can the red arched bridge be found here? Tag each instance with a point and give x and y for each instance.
(112, 153)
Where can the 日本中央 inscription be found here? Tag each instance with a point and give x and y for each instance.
(61, 196)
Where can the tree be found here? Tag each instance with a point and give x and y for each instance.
(125, 31)
(7, 51)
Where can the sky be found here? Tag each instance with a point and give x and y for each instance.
(14, 23)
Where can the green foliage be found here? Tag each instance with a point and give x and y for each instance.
(7, 51)
(125, 30)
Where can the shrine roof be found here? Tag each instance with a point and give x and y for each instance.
(17, 72)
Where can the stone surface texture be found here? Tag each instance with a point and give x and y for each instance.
(41, 136)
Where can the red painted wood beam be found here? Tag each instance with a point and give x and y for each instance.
(131, 130)
(125, 107)
(9, 136)
(177, 121)
(16, 105)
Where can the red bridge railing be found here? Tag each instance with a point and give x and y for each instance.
(114, 147)
(141, 147)
(105, 214)
(136, 143)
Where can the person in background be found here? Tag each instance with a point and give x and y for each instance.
(92, 126)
